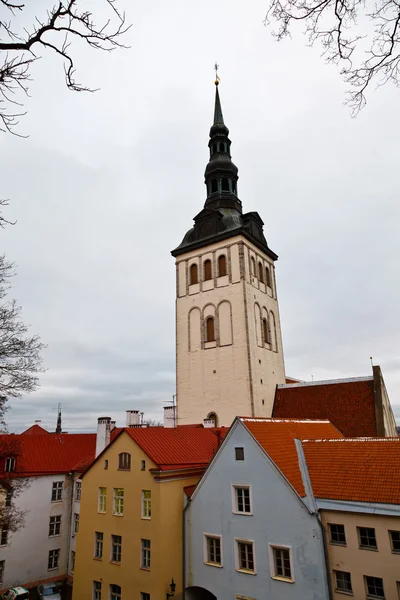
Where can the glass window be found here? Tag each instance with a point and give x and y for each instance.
(144, 596)
(78, 491)
(56, 491)
(116, 548)
(207, 270)
(245, 556)
(96, 590)
(210, 330)
(239, 453)
(221, 265)
(2, 566)
(194, 274)
(10, 464)
(3, 535)
(266, 332)
(374, 587)
(242, 500)
(55, 525)
(98, 544)
(260, 272)
(267, 277)
(367, 537)
(282, 566)
(343, 581)
(76, 522)
(146, 504)
(214, 186)
(253, 266)
(115, 592)
(337, 534)
(124, 461)
(143, 465)
(395, 540)
(145, 559)
(102, 500)
(213, 550)
(54, 556)
(118, 508)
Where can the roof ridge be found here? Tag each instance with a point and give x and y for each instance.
(279, 420)
(359, 439)
(324, 382)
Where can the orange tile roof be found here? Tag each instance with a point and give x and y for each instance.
(348, 404)
(35, 429)
(179, 447)
(277, 437)
(46, 454)
(354, 469)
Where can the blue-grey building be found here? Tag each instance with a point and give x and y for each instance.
(251, 530)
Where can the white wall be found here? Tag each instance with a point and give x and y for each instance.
(26, 555)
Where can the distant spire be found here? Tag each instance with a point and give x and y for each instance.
(218, 117)
(59, 427)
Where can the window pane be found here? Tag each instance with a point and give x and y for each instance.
(395, 539)
(337, 534)
(367, 537)
(343, 581)
(374, 587)
(239, 453)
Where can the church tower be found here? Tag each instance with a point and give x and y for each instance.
(229, 354)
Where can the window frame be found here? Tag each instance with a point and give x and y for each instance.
(193, 274)
(124, 457)
(268, 277)
(118, 502)
(78, 490)
(145, 596)
(4, 531)
(146, 505)
(337, 588)
(239, 456)
(272, 563)
(366, 547)
(114, 595)
(210, 334)
(98, 545)
(333, 542)
(9, 466)
(221, 261)
(394, 551)
(57, 489)
(54, 555)
(207, 272)
(102, 501)
(235, 504)
(116, 549)
(145, 554)
(260, 272)
(238, 568)
(373, 596)
(96, 590)
(2, 569)
(76, 523)
(210, 563)
(53, 524)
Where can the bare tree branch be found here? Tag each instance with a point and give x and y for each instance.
(362, 37)
(65, 21)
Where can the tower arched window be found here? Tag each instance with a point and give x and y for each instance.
(260, 272)
(214, 148)
(266, 333)
(210, 330)
(267, 277)
(213, 417)
(194, 274)
(225, 185)
(253, 266)
(214, 186)
(207, 270)
(221, 147)
(221, 265)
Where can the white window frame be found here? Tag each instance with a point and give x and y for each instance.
(117, 545)
(56, 553)
(271, 548)
(54, 524)
(99, 502)
(112, 594)
(10, 464)
(118, 502)
(58, 489)
(78, 491)
(76, 523)
(144, 550)
(96, 592)
(98, 544)
(241, 597)
(3, 529)
(145, 596)
(337, 588)
(146, 505)
(237, 561)
(235, 511)
(205, 550)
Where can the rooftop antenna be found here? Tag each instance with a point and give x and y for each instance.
(372, 362)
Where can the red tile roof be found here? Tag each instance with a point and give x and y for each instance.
(348, 404)
(355, 470)
(277, 437)
(180, 447)
(34, 429)
(46, 454)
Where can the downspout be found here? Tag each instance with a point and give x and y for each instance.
(71, 476)
(184, 549)
(327, 567)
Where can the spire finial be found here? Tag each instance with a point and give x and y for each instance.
(216, 67)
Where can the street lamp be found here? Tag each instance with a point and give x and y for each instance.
(172, 585)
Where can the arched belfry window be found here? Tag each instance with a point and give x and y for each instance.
(267, 277)
(260, 272)
(207, 270)
(225, 185)
(221, 147)
(266, 334)
(194, 274)
(213, 417)
(253, 266)
(221, 265)
(214, 148)
(214, 186)
(210, 330)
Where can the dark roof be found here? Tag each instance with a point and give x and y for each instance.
(347, 403)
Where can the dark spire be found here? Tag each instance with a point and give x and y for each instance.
(59, 428)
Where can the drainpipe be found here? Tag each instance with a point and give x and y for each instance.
(71, 476)
(327, 567)
(184, 548)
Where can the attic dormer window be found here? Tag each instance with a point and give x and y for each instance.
(10, 464)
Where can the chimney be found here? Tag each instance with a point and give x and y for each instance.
(113, 425)
(103, 433)
(208, 423)
(133, 418)
(169, 416)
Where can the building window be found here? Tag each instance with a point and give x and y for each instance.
(266, 333)
(55, 525)
(245, 556)
(374, 587)
(207, 270)
(8, 500)
(221, 265)
(76, 522)
(281, 563)
(52, 562)
(78, 492)
(337, 534)
(2, 566)
(106, 464)
(213, 550)
(214, 186)
(194, 274)
(115, 592)
(144, 596)
(118, 507)
(210, 330)
(116, 548)
(143, 465)
(367, 539)
(267, 277)
(239, 453)
(4, 535)
(225, 185)
(98, 544)
(96, 590)
(242, 501)
(253, 266)
(10, 464)
(102, 500)
(343, 581)
(56, 491)
(260, 272)
(146, 504)
(124, 461)
(145, 558)
(72, 569)
(395, 541)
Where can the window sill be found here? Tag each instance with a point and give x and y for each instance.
(395, 551)
(55, 501)
(246, 572)
(342, 544)
(55, 535)
(119, 469)
(208, 345)
(53, 569)
(97, 558)
(118, 514)
(145, 569)
(284, 579)
(375, 597)
(211, 564)
(371, 549)
(146, 518)
(114, 562)
(101, 512)
(344, 592)
(243, 514)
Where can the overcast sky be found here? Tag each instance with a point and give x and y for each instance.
(108, 183)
